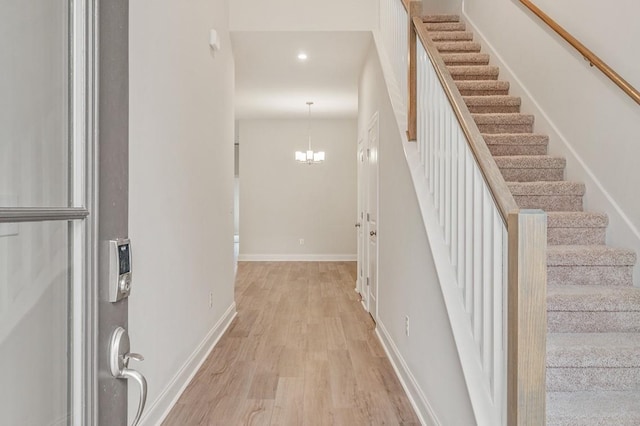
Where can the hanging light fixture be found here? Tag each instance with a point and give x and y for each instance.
(310, 157)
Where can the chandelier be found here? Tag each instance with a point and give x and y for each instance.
(309, 156)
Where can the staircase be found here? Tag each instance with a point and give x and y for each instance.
(593, 342)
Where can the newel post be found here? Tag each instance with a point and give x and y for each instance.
(527, 318)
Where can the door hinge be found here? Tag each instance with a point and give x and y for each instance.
(367, 281)
(368, 217)
(368, 153)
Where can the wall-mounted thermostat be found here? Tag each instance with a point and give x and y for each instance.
(119, 269)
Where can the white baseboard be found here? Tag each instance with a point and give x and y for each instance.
(298, 257)
(160, 408)
(409, 383)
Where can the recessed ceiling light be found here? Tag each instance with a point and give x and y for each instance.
(302, 56)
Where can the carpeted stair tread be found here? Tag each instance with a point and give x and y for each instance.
(476, 104)
(482, 87)
(440, 18)
(531, 162)
(445, 26)
(619, 408)
(598, 255)
(457, 46)
(593, 350)
(547, 188)
(465, 58)
(501, 144)
(474, 72)
(586, 298)
(451, 35)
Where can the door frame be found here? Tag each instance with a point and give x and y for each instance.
(372, 177)
(360, 158)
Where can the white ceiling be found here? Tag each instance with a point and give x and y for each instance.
(272, 83)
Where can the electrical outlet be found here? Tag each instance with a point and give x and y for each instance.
(406, 325)
(210, 300)
(301, 241)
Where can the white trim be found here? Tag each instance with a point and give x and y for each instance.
(298, 257)
(163, 404)
(416, 396)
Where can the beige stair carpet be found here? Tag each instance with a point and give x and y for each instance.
(593, 345)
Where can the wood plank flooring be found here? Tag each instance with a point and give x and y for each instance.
(302, 351)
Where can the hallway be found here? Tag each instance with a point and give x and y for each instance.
(301, 351)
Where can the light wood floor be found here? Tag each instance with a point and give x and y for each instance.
(302, 351)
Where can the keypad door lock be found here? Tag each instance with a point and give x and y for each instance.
(119, 269)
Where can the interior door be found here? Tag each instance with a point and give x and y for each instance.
(63, 194)
(372, 216)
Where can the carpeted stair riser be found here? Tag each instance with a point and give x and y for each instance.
(440, 18)
(465, 59)
(492, 104)
(590, 296)
(482, 88)
(504, 123)
(445, 26)
(451, 36)
(474, 72)
(531, 168)
(619, 408)
(593, 322)
(457, 46)
(583, 379)
(516, 144)
(590, 275)
(592, 309)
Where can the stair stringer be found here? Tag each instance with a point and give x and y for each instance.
(621, 231)
(486, 411)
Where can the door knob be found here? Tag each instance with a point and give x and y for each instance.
(372, 233)
(119, 357)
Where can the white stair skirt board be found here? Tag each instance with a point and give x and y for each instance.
(298, 257)
(160, 408)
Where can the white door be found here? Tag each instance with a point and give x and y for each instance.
(55, 318)
(372, 216)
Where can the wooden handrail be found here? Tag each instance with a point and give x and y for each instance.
(492, 175)
(415, 10)
(588, 55)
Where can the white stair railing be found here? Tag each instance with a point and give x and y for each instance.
(493, 276)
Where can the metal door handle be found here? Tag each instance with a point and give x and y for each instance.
(129, 373)
(372, 233)
(119, 357)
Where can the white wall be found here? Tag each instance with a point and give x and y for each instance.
(408, 284)
(282, 201)
(295, 15)
(181, 189)
(589, 119)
